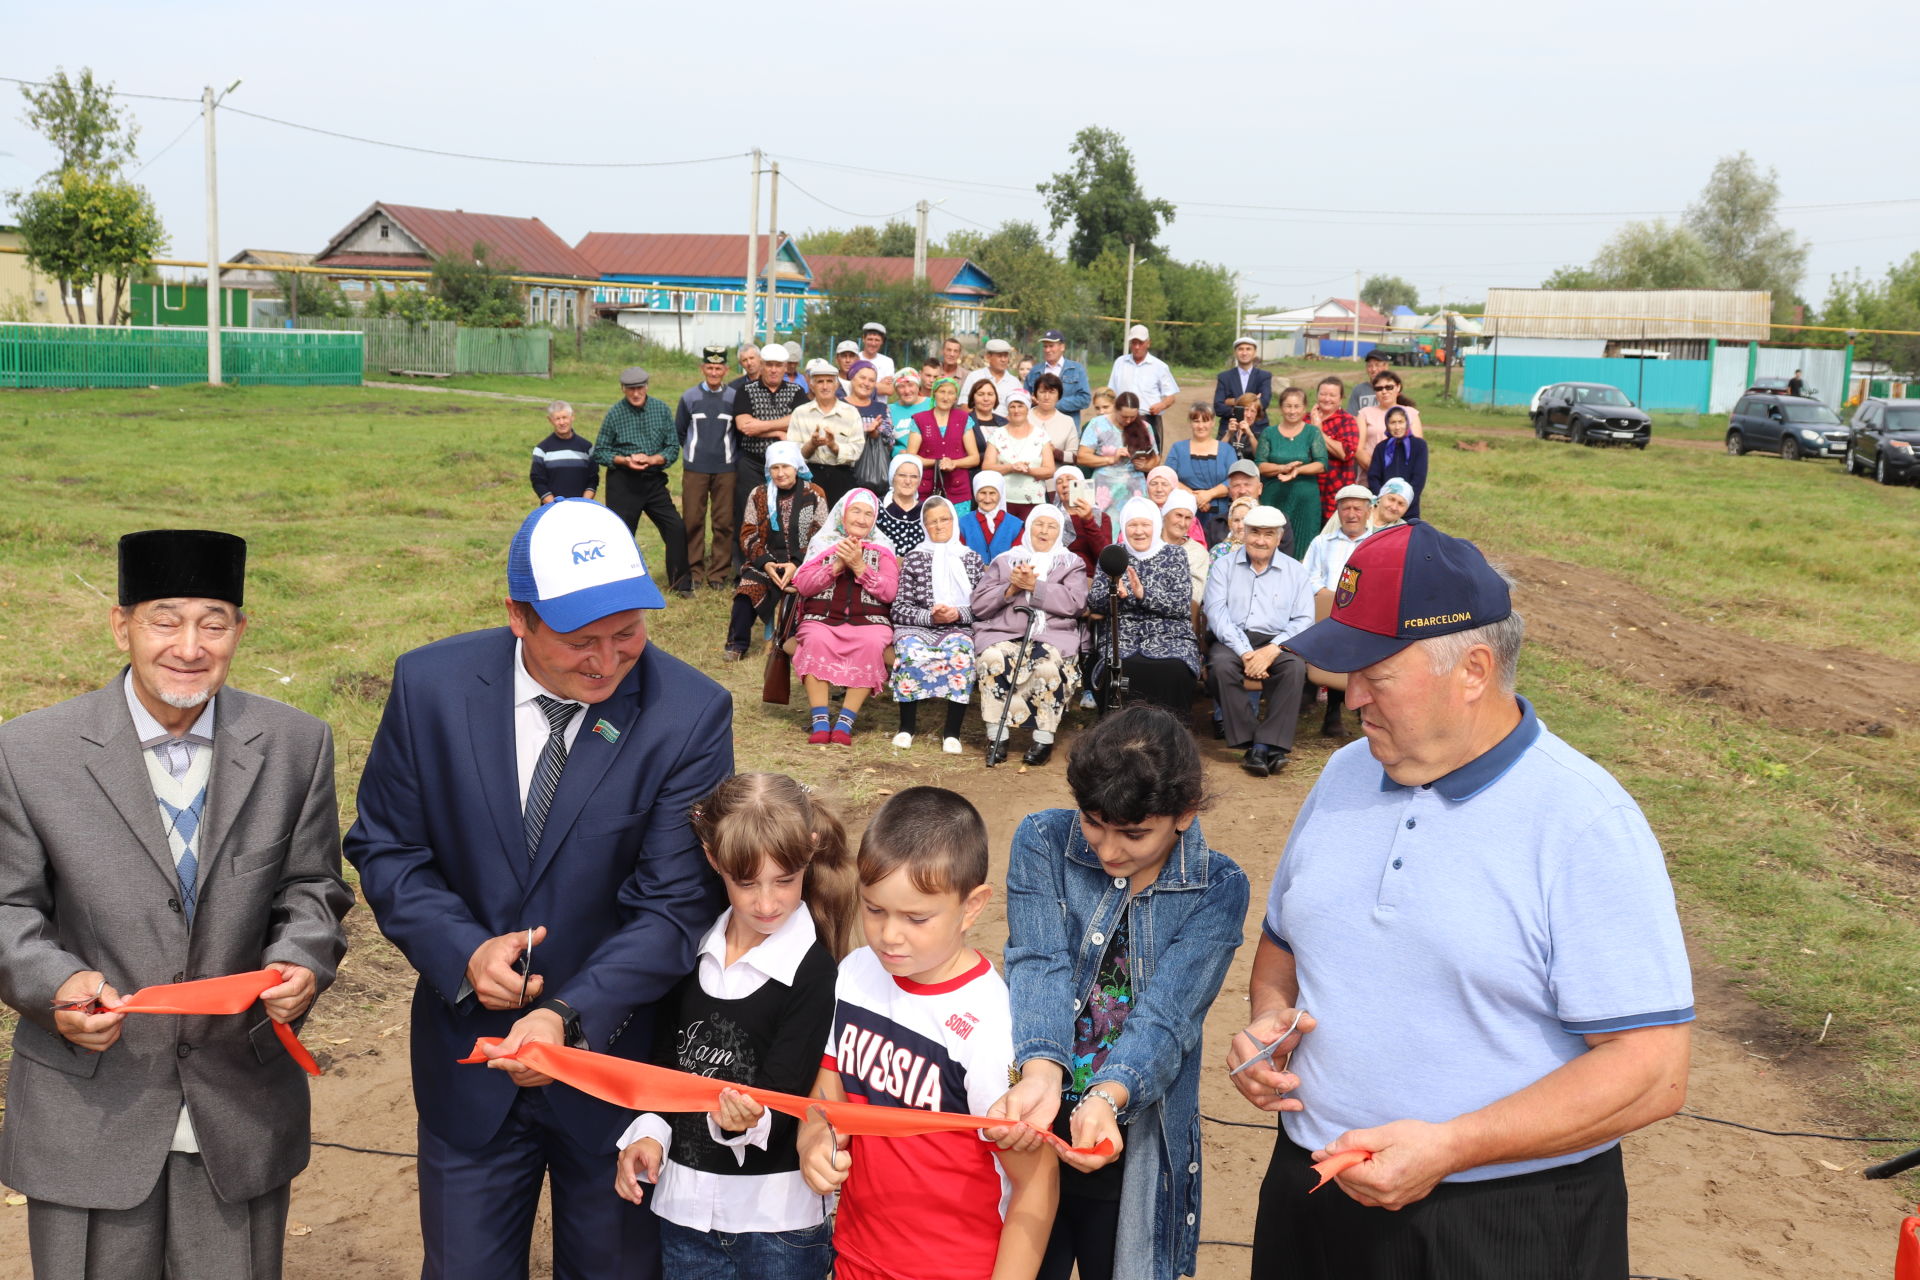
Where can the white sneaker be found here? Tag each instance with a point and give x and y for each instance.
(951, 746)
(903, 740)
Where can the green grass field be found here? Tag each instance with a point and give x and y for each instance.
(378, 520)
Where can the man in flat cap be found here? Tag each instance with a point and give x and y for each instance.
(708, 442)
(160, 830)
(637, 444)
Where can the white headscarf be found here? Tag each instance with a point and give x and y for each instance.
(1179, 500)
(836, 526)
(1024, 552)
(985, 479)
(1141, 509)
(783, 453)
(951, 585)
(893, 472)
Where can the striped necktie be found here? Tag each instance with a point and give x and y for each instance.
(546, 774)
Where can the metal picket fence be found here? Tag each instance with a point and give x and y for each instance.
(103, 356)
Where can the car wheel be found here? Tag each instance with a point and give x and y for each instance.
(1639, 444)
(1577, 434)
(1789, 449)
(1880, 471)
(1736, 444)
(1539, 427)
(1852, 462)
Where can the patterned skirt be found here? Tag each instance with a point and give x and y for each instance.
(1047, 681)
(924, 669)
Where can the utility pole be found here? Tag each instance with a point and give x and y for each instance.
(773, 249)
(920, 242)
(753, 251)
(1356, 314)
(213, 245)
(1128, 322)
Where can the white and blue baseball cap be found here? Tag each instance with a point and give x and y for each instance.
(576, 562)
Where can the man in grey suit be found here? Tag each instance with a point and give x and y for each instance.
(163, 829)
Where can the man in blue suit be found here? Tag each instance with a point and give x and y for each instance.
(1076, 393)
(1242, 379)
(523, 839)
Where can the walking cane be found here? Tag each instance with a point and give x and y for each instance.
(997, 749)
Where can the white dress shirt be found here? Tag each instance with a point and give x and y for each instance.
(1150, 379)
(735, 1202)
(1006, 384)
(530, 727)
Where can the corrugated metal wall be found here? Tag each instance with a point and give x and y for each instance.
(1823, 368)
(1664, 386)
(1731, 315)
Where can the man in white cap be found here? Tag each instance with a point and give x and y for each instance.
(523, 838)
(999, 354)
(1244, 378)
(873, 336)
(161, 828)
(1326, 558)
(761, 410)
(1256, 600)
(843, 357)
(1147, 376)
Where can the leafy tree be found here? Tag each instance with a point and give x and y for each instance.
(1101, 198)
(476, 291)
(859, 242)
(1655, 255)
(910, 309)
(1200, 295)
(78, 116)
(89, 228)
(1384, 293)
(896, 240)
(1736, 220)
(312, 295)
(1890, 303)
(1105, 280)
(407, 303)
(1027, 277)
(1572, 277)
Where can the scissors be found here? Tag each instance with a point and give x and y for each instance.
(82, 1004)
(830, 1201)
(526, 967)
(1266, 1051)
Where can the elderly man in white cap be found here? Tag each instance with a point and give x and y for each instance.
(1246, 377)
(1326, 557)
(999, 354)
(1147, 376)
(761, 410)
(1256, 600)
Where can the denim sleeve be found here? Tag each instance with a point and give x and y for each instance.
(1039, 954)
(1165, 1024)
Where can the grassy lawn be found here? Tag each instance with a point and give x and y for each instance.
(378, 520)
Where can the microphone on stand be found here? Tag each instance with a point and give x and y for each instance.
(1113, 560)
(1113, 563)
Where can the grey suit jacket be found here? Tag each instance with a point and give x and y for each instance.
(87, 882)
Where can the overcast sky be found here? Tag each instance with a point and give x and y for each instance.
(1445, 139)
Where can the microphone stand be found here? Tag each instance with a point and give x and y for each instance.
(1117, 683)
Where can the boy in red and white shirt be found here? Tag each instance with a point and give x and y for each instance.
(922, 1021)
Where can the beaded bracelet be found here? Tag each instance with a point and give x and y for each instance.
(1100, 1093)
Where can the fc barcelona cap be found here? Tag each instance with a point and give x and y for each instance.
(576, 562)
(1403, 584)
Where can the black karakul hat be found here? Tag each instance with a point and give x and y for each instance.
(160, 564)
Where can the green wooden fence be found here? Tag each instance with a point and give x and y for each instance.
(52, 355)
(442, 347)
(522, 351)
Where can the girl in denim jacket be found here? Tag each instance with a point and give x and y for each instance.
(1121, 925)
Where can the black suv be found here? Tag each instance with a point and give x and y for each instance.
(1793, 426)
(1885, 440)
(1590, 413)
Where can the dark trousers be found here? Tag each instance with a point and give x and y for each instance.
(703, 496)
(181, 1229)
(834, 481)
(1085, 1231)
(1285, 679)
(1568, 1223)
(632, 494)
(749, 473)
(477, 1205)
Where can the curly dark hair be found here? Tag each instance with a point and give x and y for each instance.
(1135, 764)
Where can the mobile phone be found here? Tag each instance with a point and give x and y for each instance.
(1079, 491)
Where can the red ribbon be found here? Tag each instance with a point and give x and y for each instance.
(234, 993)
(638, 1086)
(1335, 1165)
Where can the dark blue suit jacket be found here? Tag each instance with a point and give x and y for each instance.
(619, 880)
(1227, 387)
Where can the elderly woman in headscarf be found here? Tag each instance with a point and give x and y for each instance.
(780, 519)
(1157, 650)
(1179, 527)
(1236, 515)
(1043, 575)
(1401, 456)
(1392, 506)
(985, 523)
(899, 515)
(846, 587)
(933, 625)
(1163, 482)
(1086, 530)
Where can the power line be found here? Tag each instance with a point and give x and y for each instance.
(461, 155)
(114, 93)
(877, 217)
(185, 130)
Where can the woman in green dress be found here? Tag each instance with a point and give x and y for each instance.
(1290, 454)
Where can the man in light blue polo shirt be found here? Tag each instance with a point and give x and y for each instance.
(1478, 924)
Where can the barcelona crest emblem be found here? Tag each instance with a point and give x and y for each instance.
(1349, 583)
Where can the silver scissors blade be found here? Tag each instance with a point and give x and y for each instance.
(1266, 1051)
(526, 968)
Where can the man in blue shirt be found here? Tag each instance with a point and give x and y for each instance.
(704, 423)
(1255, 602)
(1474, 925)
(1076, 392)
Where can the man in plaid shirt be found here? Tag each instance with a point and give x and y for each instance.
(637, 444)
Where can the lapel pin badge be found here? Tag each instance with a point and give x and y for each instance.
(606, 731)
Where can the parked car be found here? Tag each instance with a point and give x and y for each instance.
(1885, 440)
(1778, 386)
(1590, 413)
(1793, 426)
